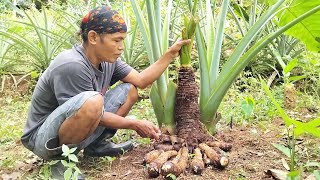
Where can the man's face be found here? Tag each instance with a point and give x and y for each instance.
(109, 47)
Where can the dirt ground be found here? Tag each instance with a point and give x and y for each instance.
(251, 155)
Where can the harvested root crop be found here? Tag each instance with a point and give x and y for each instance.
(152, 155)
(220, 144)
(164, 147)
(154, 166)
(178, 165)
(217, 160)
(197, 163)
(168, 167)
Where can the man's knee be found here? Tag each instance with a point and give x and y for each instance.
(83, 123)
(92, 108)
(133, 94)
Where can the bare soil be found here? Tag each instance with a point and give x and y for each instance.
(251, 155)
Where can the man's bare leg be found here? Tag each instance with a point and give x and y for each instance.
(84, 122)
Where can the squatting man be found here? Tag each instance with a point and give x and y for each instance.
(72, 102)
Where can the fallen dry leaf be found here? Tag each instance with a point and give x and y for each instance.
(277, 174)
(12, 176)
(311, 177)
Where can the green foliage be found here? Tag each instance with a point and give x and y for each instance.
(108, 160)
(282, 148)
(311, 127)
(12, 122)
(155, 34)
(282, 49)
(171, 176)
(6, 64)
(45, 171)
(188, 32)
(308, 29)
(310, 66)
(72, 171)
(247, 106)
(134, 51)
(39, 34)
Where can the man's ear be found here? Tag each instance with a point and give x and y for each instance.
(92, 37)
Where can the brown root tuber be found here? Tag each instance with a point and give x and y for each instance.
(217, 160)
(168, 167)
(152, 155)
(182, 164)
(164, 147)
(177, 165)
(220, 144)
(154, 166)
(197, 163)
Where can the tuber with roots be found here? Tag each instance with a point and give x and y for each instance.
(168, 167)
(152, 155)
(154, 167)
(197, 163)
(217, 160)
(178, 165)
(220, 144)
(182, 164)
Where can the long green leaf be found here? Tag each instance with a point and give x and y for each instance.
(230, 72)
(162, 85)
(157, 104)
(219, 35)
(144, 30)
(209, 106)
(169, 104)
(210, 33)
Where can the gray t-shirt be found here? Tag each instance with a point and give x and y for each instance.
(69, 74)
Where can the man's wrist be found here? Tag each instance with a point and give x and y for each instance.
(132, 124)
(168, 55)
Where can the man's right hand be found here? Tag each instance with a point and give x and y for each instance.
(146, 129)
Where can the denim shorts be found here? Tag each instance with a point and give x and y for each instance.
(47, 140)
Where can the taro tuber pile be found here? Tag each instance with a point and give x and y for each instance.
(172, 152)
(172, 155)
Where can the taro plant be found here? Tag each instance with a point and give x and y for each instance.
(215, 79)
(155, 34)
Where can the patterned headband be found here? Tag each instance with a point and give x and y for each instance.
(103, 20)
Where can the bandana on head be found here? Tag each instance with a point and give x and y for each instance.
(103, 20)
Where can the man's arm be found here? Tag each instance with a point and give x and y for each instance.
(153, 72)
(142, 127)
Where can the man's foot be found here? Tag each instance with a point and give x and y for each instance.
(58, 169)
(107, 148)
